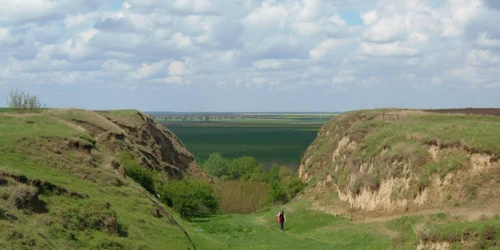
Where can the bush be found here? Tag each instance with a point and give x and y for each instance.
(20, 101)
(216, 166)
(277, 192)
(189, 197)
(244, 168)
(144, 177)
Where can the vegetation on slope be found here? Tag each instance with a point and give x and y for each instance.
(61, 184)
(399, 148)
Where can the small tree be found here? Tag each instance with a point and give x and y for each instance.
(22, 102)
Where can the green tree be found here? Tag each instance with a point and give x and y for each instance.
(216, 166)
(245, 168)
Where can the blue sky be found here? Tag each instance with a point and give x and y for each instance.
(252, 55)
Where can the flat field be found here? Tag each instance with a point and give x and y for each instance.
(270, 138)
(279, 143)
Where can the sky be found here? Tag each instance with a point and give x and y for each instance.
(252, 55)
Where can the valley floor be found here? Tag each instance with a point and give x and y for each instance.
(309, 229)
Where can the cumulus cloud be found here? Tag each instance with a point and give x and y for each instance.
(148, 70)
(369, 17)
(301, 46)
(386, 49)
(267, 64)
(484, 40)
(322, 49)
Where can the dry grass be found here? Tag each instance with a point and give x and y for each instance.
(242, 196)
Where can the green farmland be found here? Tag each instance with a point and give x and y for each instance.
(283, 144)
(269, 138)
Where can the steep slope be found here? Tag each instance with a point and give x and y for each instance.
(412, 162)
(434, 175)
(62, 185)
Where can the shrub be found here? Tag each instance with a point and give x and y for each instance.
(277, 192)
(189, 197)
(20, 101)
(293, 186)
(144, 177)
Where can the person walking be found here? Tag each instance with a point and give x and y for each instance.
(282, 219)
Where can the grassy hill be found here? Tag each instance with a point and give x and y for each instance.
(381, 163)
(62, 186)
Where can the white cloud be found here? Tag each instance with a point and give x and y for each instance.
(322, 49)
(343, 79)
(4, 35)
(267, 64)
(386, 49)
(181, 40)
(385, 30)
(483, 40)
(267, 17)
(176, 68)
(311, 10)
(179, 80)
(460, 12)
(483, 57)
(369, 17)
(148, 70)
(72, 21)
(308, 44)
(194, 6)
(115, 65)
(78, 47)
(437, 80)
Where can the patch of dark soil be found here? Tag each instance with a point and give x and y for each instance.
(9, 216)
(77, 145)
(91, 128)
(155, 212)
(25, 198)
(44, 187)
(3, 182)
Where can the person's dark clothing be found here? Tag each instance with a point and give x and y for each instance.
(282, 220)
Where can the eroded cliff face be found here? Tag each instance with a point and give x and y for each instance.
(158, 148)
(400, 165)
(135, 132)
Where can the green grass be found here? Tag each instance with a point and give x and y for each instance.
(305, 229)
(26, 150)
(27, 144)
(5, 110)
(406, 141)
(280, 143)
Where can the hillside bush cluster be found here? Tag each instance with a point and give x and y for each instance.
(243, 185)
(188, 197)
(22, 102)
